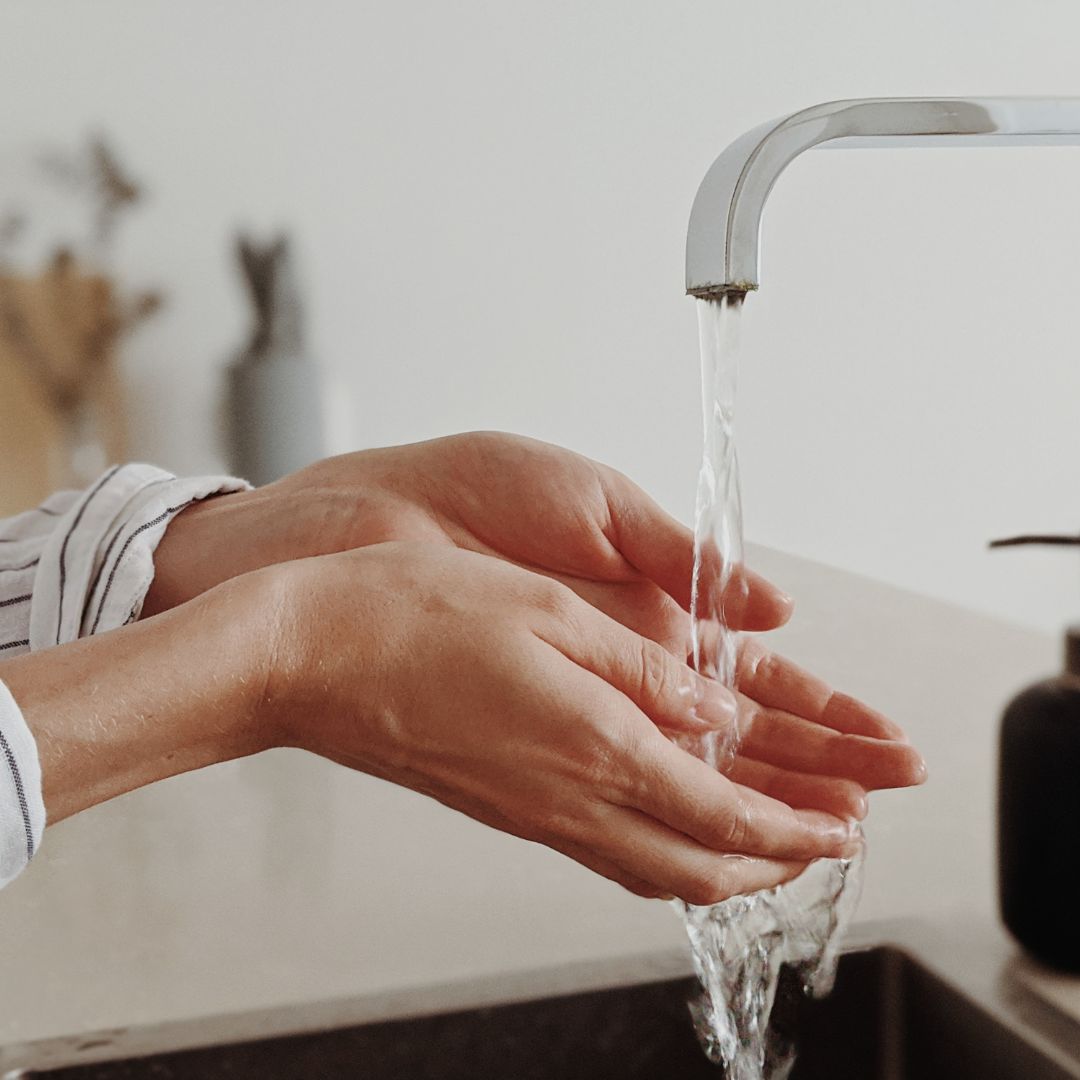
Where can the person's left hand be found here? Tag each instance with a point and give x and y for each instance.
(537, 505)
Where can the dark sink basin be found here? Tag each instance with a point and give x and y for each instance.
(888, 1018)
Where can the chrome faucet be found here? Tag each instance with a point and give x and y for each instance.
(724, 236)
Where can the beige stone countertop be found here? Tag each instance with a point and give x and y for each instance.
(289, 886)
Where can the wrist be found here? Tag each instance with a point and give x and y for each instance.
(327, 661)
(202, 547)
(123, 709)
(291, 682)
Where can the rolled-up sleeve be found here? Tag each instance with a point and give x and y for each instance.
(22, 811)
(79, 564)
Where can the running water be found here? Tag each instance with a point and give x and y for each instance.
(740, 945)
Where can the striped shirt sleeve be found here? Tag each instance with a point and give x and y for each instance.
(22, 811)
(79, 564)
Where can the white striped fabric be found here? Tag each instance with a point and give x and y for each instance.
(79, 564)
(22, 811)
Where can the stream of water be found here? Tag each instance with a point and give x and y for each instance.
(740, 946)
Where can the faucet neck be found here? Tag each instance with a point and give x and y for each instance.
(723, 239)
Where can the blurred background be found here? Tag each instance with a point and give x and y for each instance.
(486, 206)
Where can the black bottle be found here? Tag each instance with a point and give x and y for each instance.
(1039, 806)
(1039, 815)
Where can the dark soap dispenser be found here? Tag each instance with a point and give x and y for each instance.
(1039, 808)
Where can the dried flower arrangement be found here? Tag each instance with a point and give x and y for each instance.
(62, 415)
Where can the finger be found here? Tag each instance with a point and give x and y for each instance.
(736, 595)
(661, 685)
(659, 778)
(685, 794)
(640, 606)
(677, 865)
(662, 549)
(794, 743)
(777, 683)
(804, 791)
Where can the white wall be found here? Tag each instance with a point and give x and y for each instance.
(492, 199)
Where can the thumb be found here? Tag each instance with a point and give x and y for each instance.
(662, 686)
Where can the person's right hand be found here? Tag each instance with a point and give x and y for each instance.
(502, 694)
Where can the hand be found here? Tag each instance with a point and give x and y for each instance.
(504, 695)
(523, 501)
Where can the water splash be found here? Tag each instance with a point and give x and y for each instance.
(741, 945)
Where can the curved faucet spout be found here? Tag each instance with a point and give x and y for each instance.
(723, 240)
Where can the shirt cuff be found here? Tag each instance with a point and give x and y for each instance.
(22, 808)
(92, 574)
(98, 564)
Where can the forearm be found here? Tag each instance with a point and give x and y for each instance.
(124, 709)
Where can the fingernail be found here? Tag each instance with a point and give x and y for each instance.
(715, 707)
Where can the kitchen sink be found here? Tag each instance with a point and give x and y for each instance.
(888, 1018)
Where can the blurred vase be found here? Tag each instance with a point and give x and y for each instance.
(275, 391)
(276, 417)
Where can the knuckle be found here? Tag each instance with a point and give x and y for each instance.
(554, 598)
(736, 827)
(598, 770)
(657, 675)
(607, 766)
(620, 761)
(472, 440)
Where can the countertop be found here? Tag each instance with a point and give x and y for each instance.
(283, 892)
